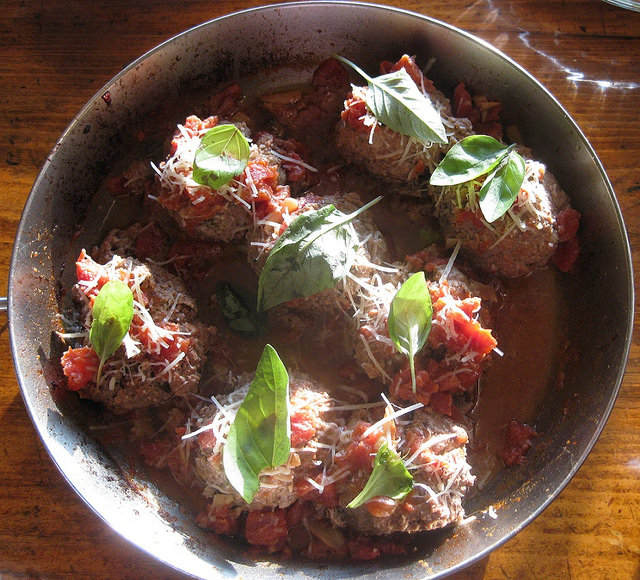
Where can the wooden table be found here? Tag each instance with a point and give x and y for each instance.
(56, 54)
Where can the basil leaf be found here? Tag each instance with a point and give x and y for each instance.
(112, 314)
(502, 187)
(238, 309)
(409, 321)
(315, 251)
(259, 437)
(222, 154)
(389, 478)
(396, 101)
(472, 157)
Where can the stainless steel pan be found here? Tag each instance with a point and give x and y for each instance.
(290, 38)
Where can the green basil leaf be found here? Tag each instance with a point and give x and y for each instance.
(409, 321)
(259, 437)
(111, 318)
(396, 101)
(238, 309)
(468, 159)
(502, 187)
(389, 478)
(222, 154)
(315, 251)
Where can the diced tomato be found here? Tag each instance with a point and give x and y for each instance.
(80, 366)
(435, 383)
(566, 254)
(517, 442)
(266, 528)
(469, 329)
(193, 125)
(483, 114)
(353, 114)
(88, 270)
(360, 452)
(568, 250)
(413, 70)
(263, 175)
(220, 519)
(302, 428)
(442, 402)
(402, 386)
(170, 347)
(462, 102)
(308, 492)
(568, 222)
(330, 74)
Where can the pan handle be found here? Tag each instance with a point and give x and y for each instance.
(3, 304)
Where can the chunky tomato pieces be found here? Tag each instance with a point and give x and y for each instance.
(80, 366)
(483, 114)
(360, 453)
(568, 250)
(517, 442)
(220, 519)
(302, 428)
(267, 528)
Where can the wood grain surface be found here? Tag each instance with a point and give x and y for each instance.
(56, 54)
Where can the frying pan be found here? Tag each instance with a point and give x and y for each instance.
(290, 39)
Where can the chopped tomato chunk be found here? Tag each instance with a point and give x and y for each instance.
(266, 528)
(517, 442)
(302, 428)
(80, 366)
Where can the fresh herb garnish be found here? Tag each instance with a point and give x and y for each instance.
(259, 437)
(478, 155)
(500, 189)
(222, 154)
(112, 315)
(238, 308)
(389, 478)
(315, 251)
(395, 100)
(409, 319)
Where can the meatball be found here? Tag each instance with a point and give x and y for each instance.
(163, 353)
(433, 449)
(208, 428)
(522, 240)
(458, 345)
(319, 318)
(364, 141)
(227, 213)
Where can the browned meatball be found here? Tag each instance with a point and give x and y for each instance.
(323, 318)
(522, 240)
(163, 353)
(227, 213)
(433, 449)
(364, 141)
